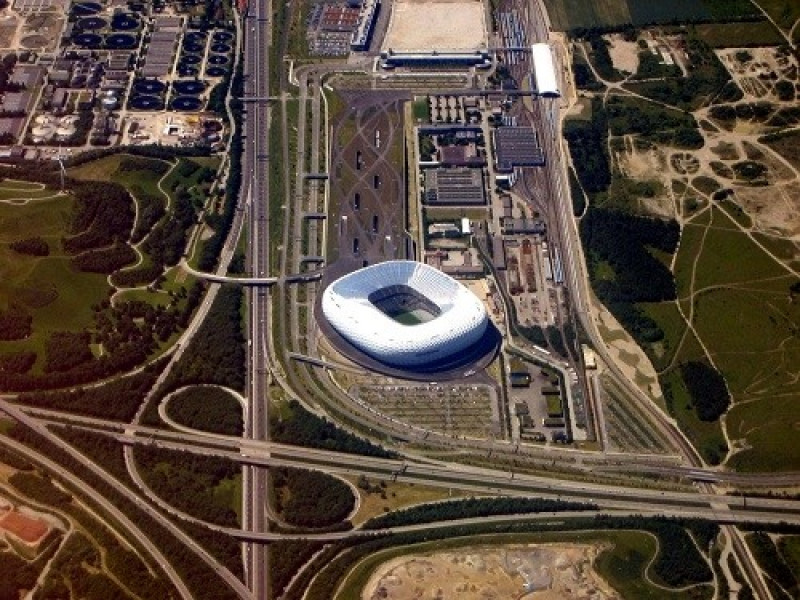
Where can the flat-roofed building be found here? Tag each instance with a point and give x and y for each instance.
(454, 186)
(516, 147)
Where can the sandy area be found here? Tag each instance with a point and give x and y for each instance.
(624, 54)
(524, 572)
(628, 356)
(422, 26)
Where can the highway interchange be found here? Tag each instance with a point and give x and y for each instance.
(268, 366)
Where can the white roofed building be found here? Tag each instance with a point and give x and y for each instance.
(544, 71)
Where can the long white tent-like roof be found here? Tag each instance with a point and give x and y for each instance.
(544, 70)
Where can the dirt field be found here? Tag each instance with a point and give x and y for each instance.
(624, 55)
(423, 26)
(27, 529)
(524, 572)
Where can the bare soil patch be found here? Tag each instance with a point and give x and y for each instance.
(624, 54)
(25, 528)
(535, 571)
(425, 26)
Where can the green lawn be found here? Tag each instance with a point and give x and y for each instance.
(729, 256)
(706, 437)
(737, 35)
(672, 323)
(45, 218)
(771, 429)
(229, 493)
(746, 319)
(784, 12)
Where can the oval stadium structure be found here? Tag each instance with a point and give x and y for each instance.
(405, 313)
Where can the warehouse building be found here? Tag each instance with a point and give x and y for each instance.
(454, 187)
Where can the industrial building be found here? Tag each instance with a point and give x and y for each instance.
(454, 187)
(544, 72)
(405, 313)
(516, 147)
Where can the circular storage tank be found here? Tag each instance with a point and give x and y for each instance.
(195, 37)
(83, 9)
(218, 59)
(44, 131)
(91, 23)
(216, 71)
(220, 48)
(87, 40)
(146, 103)
(190, 59)
(222, 36)
(121, 41)
(193, 47)
(149, 86)
(65, 131)
(124, 22)
(187, 71)
(188, 88)
(186, 103)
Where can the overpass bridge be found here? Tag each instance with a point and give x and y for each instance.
(257, 281)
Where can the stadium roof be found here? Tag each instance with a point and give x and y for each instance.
(460, 319)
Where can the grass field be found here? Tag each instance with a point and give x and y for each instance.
(228, 492)
(566, 15)
(57, 296)
(737, 35)
(23, 191)
(395, 496)
(784, 12)
(746, 320)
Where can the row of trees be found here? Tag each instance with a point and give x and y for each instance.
(32, 246)
(303, 428)
(117, 399)
(472, 507)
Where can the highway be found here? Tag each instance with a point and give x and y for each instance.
(255, 187)
(446, 474)
(39, 427)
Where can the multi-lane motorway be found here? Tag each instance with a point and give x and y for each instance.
(255, 189)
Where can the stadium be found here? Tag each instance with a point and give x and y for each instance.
(408, 316)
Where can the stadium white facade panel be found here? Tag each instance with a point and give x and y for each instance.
(461, 320)
(544, 70)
